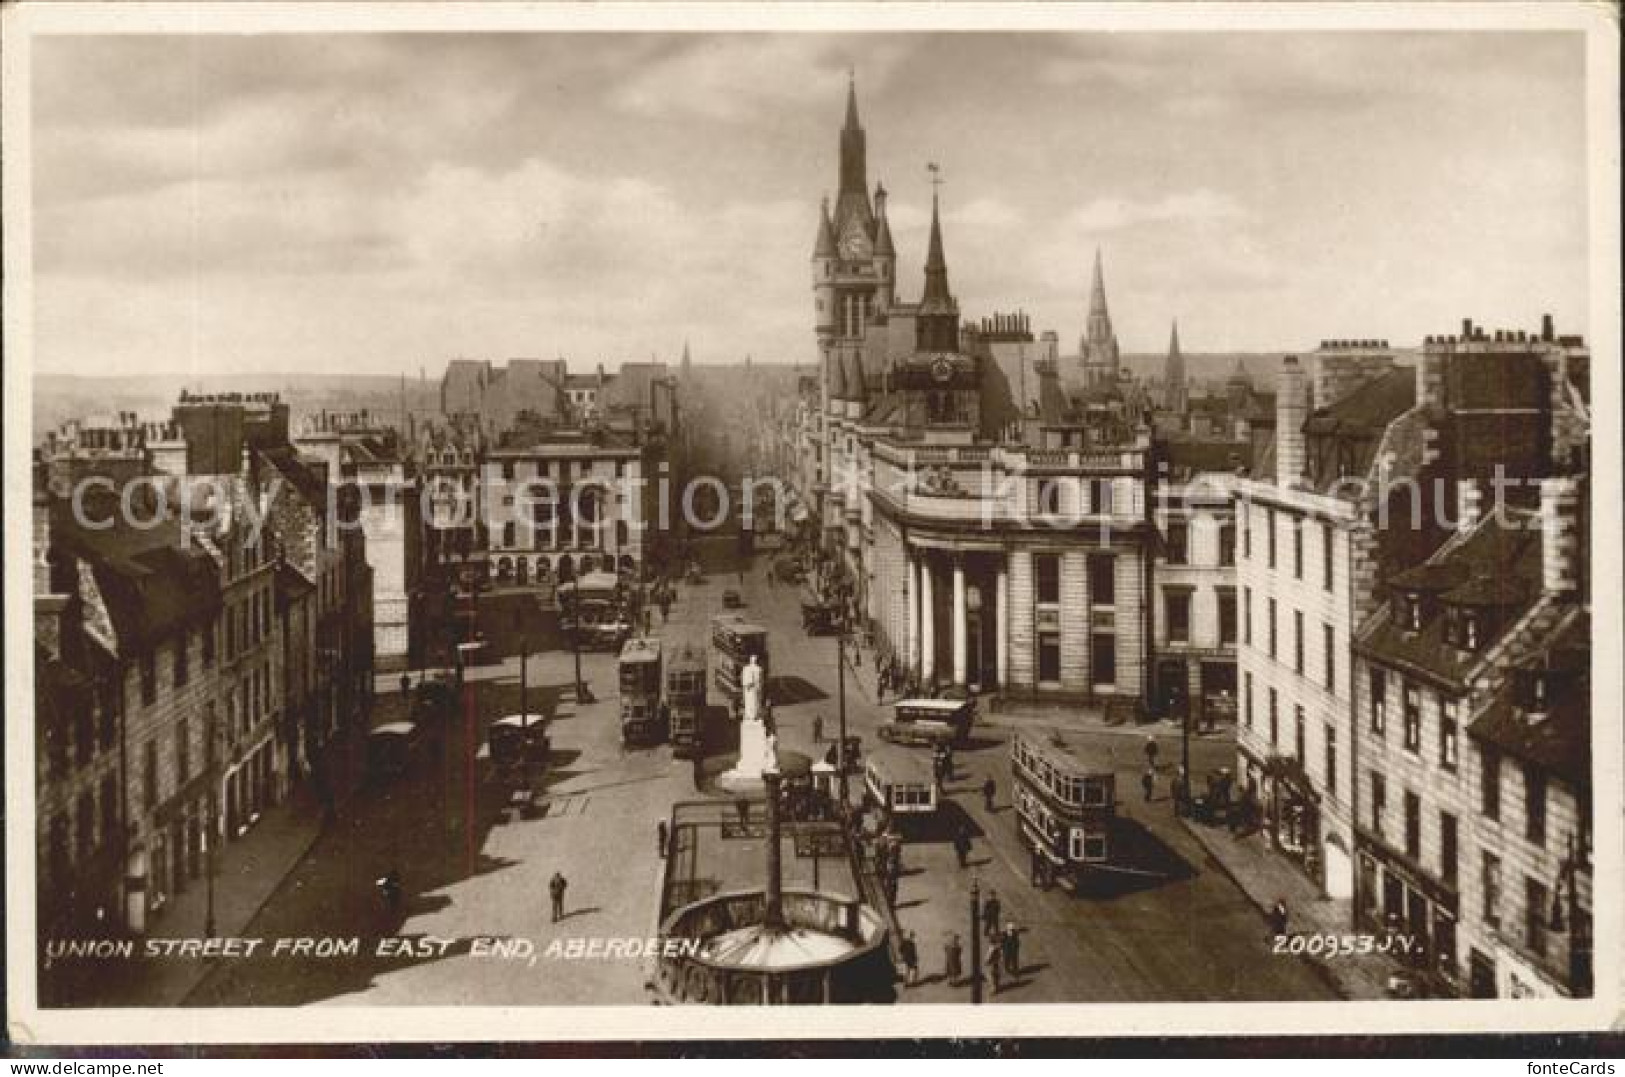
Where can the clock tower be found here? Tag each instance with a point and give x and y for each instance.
(853, 262)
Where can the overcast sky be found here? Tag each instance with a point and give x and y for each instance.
(380, 203)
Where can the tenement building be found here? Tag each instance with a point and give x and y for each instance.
(1471, 689)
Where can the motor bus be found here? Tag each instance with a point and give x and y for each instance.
(929, 721)
(735, 641)
(901, 785)
(594, 607)
(685, 699)
(639, 678)
(1066, 805)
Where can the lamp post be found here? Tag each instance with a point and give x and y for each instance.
(524, 662)
(211, 824)
(976, 939)
(840, 695)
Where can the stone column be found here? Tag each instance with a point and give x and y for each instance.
(959, 621)
(1001, 595)
(928, 627)
(911, 643)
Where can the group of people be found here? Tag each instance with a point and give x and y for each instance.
(1001, 960)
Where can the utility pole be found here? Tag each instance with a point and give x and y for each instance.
(975, 939)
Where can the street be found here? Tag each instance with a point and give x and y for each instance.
(1186, 933)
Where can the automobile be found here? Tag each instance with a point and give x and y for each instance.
(390, 749)
(731, 600)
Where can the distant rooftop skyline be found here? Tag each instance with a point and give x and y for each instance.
(379, 203)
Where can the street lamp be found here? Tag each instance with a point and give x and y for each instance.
(840, 694)
(211, 823)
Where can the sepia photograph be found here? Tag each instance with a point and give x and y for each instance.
(1058, 520)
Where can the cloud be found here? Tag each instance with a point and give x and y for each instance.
(1202, 205)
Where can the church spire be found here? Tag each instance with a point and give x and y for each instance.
(854, 168)
(1097, 300)
(936, 266)
(937, 328)
(852, 102)
(1174, 373)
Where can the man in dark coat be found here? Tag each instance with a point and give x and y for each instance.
(555, 889)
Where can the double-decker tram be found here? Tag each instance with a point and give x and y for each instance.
(1066, 806)
(685, 698)
(642, 717)
(736, 641)
(901, 785)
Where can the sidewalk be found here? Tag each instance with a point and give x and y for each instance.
(1265, 877)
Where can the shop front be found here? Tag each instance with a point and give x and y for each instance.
(1401, 903)
(1292, 814)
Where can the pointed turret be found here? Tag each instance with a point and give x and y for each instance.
(1098, 348)
(824, 244)
(688, 363)
(852, 199)
(884, 247)
(1099, 324)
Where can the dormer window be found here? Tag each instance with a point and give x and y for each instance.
(1469, 630)
(1413, 611)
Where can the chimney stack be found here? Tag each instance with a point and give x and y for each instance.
(1546, 328)
(1291, 411)
(1560, 535)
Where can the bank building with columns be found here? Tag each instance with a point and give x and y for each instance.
(993, 527)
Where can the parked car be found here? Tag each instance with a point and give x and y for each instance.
(731, 600)
(390, 749)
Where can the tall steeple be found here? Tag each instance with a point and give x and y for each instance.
(688, 364)
(1173, 396)
(852, 199)
(937, 326)
(1098, 348)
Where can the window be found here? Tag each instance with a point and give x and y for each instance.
(1269, 525)
(1327, 563)
(1534, 915)
(1299, 735)
(1331, 758)
(1329, 640)
(1100, 496)
(1491, 885)
(1379, 801)
(1275, 718)
(208, 644)
(1413, 717)
(1179, 542)
(507, 469)
(182, 642)
(1102, 579)
(1227, 617)
(1272, 628)
(183, 750)
(510, 537)
(1246, 531)
(149, 678)
(1049, 657)
(1297, 641)
(1534, 795)
(1049, 496)
(265, 613)
(1247, 710)
(149, 775)
(1490, 789)
(1297, 549)
(231, 633)
(1227, 544)
(1379, 702)
(1247, 616)
(1103, 659)
(1413, 825)
(1447, 733)
(1179, 616)
(1447, 849)
(1047, 569)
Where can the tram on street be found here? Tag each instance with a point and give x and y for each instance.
(593, 608)
(735, 642)
(1066, 806)
(643, 720)
(901, 785)
(929, 721)
(685, 698)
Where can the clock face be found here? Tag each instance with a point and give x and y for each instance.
(854, 244)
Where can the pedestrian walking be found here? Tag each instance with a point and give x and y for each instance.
(406, 683)
(1148, 782)
(990, 914)
(818, 729)
(953, 960)
(987, 793)
(962, 845)
(742, 806)
(1278, 917)
(994, 970)
(555, 888)
(1010, 947)
(948, 761)
(1151, 750)
(661, 837)
(909, 951)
